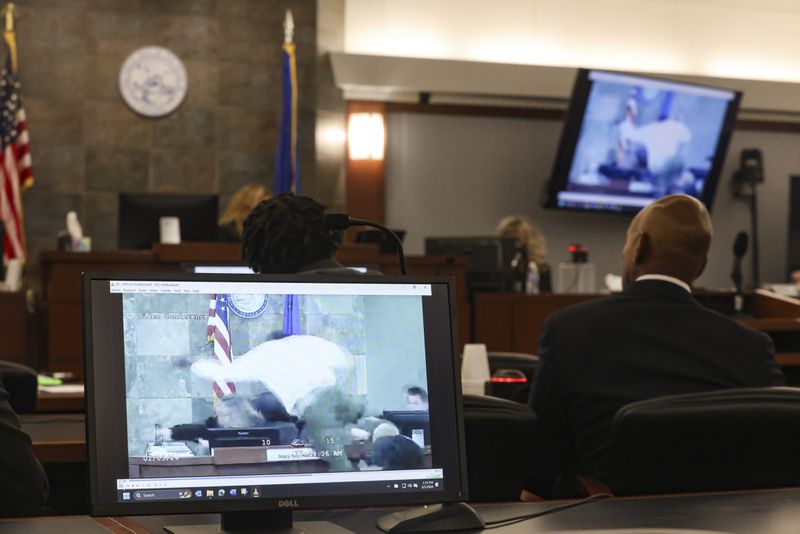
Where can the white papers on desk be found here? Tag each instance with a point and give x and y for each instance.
(63, 388)
(169, 449)
(786, 290)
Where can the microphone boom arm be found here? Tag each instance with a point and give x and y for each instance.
(401, 255)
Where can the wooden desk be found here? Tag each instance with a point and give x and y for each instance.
(513, 322)
(762, 512)
(57, 438)
(61, 276)
(60, 402)
(14, 328)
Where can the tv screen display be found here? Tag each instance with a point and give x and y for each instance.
(240, 393)
(630, 139)
(139, 215)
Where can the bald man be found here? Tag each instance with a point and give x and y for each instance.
(650, 340)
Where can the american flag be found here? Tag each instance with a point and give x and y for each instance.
(16, 163)
(219, 334)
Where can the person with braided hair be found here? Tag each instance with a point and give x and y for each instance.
(286, 234)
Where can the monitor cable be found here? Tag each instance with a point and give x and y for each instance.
(560, 508)
(342, 221)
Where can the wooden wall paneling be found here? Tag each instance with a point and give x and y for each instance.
(15, 346)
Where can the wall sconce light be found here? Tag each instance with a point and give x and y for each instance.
(366, 136)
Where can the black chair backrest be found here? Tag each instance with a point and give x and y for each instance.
(721, 440)
(21, 383)
(526, 363)
(499, 436)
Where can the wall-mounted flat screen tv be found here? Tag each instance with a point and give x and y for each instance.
(630, 139)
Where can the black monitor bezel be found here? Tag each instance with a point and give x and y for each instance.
(570, 135)
(457, 491)
(157, 204)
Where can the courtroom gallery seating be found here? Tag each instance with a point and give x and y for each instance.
(499, 435)
(731, 439)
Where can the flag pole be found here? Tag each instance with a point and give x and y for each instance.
(288, 171)
(10, 11)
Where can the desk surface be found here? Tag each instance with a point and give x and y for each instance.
(765, 512)
(57, 438)
(47, 402)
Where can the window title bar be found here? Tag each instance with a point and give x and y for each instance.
(266, 288)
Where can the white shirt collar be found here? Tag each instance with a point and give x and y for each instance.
(665, 278)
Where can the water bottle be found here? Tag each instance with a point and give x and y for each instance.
(532, 278)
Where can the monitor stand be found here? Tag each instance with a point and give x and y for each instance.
(266, 521)
(432, 518)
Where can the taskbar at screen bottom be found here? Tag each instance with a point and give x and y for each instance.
(244, 492)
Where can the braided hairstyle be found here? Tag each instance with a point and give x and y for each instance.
(286, 232)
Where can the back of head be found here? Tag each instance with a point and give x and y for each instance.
(286, 232)
(396, 452)
(671, 236)
(271, 408)
(241, 204)
(524, 231)
(384, 430)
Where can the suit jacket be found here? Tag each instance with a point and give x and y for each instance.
(651, 340)
(23, 485)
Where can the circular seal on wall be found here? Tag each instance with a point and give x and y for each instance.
(247, 305)
(153, 81)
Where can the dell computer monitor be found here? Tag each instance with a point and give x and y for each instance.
(631, 139)
(490, 258)
(248, 395)
(139, 215)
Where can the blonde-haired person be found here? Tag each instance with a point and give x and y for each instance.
(523, 230)
(231, 223)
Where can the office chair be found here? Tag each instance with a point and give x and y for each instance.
(720, 440)
(500, 363)
(21, 384)
(499, 436)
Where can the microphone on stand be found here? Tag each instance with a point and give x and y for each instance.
(740, 245)
(342, 221)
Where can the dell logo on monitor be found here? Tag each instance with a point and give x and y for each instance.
(288, 503)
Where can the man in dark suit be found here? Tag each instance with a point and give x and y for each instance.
(23, 484)
(652, 339)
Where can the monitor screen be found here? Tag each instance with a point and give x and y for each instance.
(236, 393)
(139, 215)
(630, 139)
(490, 259)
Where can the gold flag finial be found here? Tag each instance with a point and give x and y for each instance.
(288, 27)
(9, 12)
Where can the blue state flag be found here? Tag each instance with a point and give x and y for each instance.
(287, 167)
